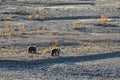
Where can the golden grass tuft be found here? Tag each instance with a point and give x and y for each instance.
(77, 26)
(79, 49)
(96, 48)
(30, 17)
(8, 18)
(54, 45)
(65, 50)
(1, 32)
(8, 50)
(40, 14)
(37, 16)
(9, 30)
(6, 30)
(12, 29)
(103, 20)
(21, 29)
(46, 50)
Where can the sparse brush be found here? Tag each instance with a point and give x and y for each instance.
(1, 32)
(46, 50)
(106, 46)
(96, 48)
(6, 30)
(65, 50)
(8, 18)
(12, 29)
(103, 20)
(40, 14)
(37, 16)
(8, 50)
(77, 26)
(79, 49)
(42, 29)
(30, 17)
(21, 29)
(54, 45)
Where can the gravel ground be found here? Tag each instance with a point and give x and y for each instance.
(95, 67)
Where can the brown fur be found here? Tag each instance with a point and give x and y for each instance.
(55, 52)
(32, 49)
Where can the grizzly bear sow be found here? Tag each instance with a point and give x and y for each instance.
(55, 52)
(32, 49)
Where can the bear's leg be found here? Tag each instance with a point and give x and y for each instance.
(55, 54)
(34, 50)
(58, 53)
(29, 51)
(52, 54)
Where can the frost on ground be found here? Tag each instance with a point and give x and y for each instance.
(93, 67)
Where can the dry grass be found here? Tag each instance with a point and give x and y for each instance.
(6, 30)
(40, 14)
(12, 50)
(77, 26)
(54, 45)
(8, 50)
(12, 29)
(1, 32)
(7, 18)
(21, 29)
(37, 16)
(42, 29)
(46, 50)
(103, 20)
(96, 48)
(30, 17)
(9, 30)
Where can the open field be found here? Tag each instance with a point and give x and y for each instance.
(89, 50)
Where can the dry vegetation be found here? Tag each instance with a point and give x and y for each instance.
(78, 25)
(8, 18)
(103, 20)
(9, 30)
(48, 50)
(30, 17)
(40, 14)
